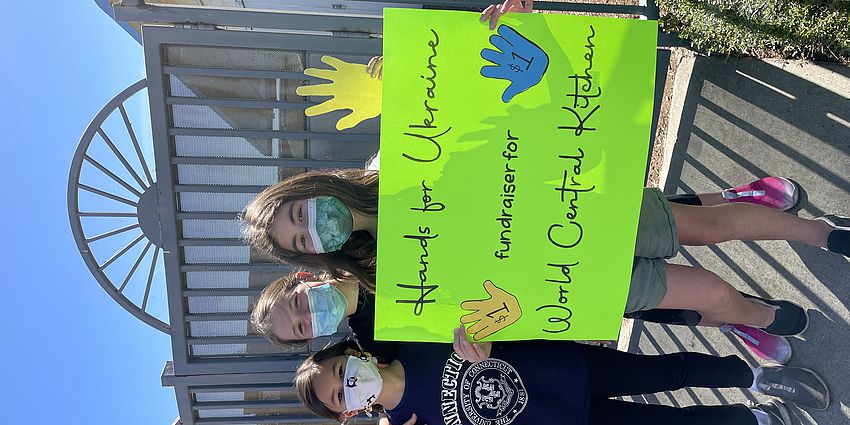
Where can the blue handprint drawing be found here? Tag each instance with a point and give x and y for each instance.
(517, 60)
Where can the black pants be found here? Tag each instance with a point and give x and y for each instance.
(687, 199)
(613, 373)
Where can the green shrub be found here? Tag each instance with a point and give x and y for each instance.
(799, 29)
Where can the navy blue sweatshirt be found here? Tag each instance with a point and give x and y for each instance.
(527, 382)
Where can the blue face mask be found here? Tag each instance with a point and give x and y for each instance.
(329, 223)
(327, 308)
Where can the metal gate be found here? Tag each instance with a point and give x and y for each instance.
(227, 123)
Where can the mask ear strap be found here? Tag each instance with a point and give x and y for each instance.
(364, 355)
(344, 421)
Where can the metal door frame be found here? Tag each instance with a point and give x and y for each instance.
(155, 37)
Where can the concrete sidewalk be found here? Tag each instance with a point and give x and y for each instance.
(732, 121)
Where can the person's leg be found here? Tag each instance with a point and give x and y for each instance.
(720, 223)
(618, 412)
(664, 225)
(657, 237)
(709, 199)
(613, 373)
(716, 300)
(656, 284)
(769, 347)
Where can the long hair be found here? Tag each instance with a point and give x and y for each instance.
(261, 314)
(308, 371)
(356, 188)
(279, 291)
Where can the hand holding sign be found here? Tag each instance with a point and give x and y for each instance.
(351, 87)
(494, 11)
(518, 60)
(375, 67)
(492, 314)
(470, 351)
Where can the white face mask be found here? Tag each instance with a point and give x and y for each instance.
(362, 383)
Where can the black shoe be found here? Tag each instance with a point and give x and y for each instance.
(777, 412)
(795, 384)
(839, 238)
(789, 320)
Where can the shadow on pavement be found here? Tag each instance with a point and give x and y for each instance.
(746, 119)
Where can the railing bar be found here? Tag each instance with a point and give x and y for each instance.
(243, 388)
(223, 292)
(238, 103)
(150, 278)
(246, 339)
(212, 242)
(136, 145)
(227, 72)
(288, 162)
(207, 216)
(202, 188)
(112, 233)
(112, 175)
(121, 252)
(274, 419)
(281, 134)
(106, 194)
(121, 157)
(234, 267)
(135, 266)
(106, 214)
(248, 404)
(217, 317)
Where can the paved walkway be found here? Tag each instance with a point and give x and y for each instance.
(743, 119)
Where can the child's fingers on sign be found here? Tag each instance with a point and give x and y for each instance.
(495, 11)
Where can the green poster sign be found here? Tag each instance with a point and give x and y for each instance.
(512, 165)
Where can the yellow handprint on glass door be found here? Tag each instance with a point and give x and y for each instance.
(351, 87)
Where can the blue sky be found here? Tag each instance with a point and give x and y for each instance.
(70, 351)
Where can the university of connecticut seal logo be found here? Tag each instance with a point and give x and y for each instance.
(492, 393)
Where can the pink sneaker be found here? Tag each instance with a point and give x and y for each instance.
(767, 346)
(773, 192)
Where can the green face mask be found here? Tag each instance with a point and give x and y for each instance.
(329, 223)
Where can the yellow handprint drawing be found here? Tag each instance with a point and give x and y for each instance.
(492, 314)
(352, 87)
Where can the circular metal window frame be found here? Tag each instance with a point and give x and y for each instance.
(143, 218)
